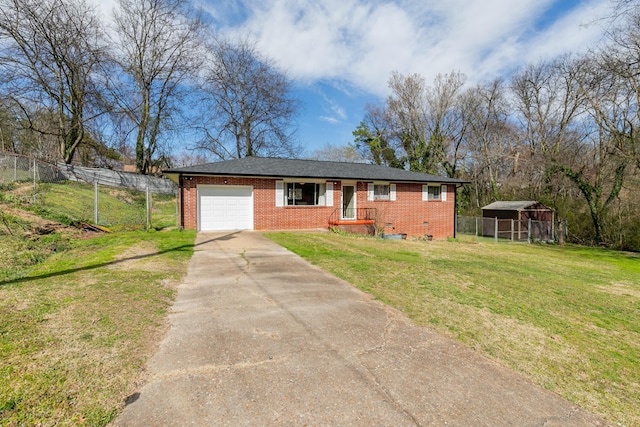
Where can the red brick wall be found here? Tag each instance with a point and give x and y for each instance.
(407, 214)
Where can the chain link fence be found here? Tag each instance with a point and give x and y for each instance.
(512, 230)
(100, 197)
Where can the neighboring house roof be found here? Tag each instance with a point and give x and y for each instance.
(510, 206)
(295, 168)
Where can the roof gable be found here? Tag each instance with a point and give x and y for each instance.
(296, 168)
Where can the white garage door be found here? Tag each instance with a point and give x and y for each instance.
(225, 208)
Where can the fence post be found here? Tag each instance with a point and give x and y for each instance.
(148, 208)
(495, 234)
(512, 229)
(529, 231)
(519, 229)
(95, 202)
(476, 218)
(34, 180)
(15, 168)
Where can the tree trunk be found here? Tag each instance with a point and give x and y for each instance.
(140, 151)
(140, 139)
(592, 195)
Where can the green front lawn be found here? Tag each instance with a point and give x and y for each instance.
(77, 326)
(566, 317)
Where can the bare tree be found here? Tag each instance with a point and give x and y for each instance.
(406, 114)
(252, 109)
(159, 52)
(445, 121)
(568, 107)
(418, 125)
(49, 53)
(493, 155)
(623, 8)
(548, 99)
(189, 157)
(620, 61)
(43, 144)
(374, 141)
(8, 129)
(346, 153)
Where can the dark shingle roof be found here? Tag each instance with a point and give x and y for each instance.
(510, 206)
(295, 168)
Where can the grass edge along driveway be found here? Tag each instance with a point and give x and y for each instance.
(76, 330)
(567, 317)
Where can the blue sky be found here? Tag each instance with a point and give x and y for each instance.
(340, 53)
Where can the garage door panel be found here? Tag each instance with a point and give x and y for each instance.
(225, 208)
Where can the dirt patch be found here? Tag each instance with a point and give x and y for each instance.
(142, 256)
(137, 251)
(37, 224)
(22, 190)
(621, 288)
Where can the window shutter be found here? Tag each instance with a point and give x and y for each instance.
(329, 194)
(392, 192)
(443, 193)
(425, 193)
(279, 193)
(370, 192)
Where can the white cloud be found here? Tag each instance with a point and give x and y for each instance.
(222, 12)
(361, 42)
(330, 120)
(334, 107)
(104, 8)
(575, 32)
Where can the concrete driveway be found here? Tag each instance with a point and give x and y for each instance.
(259, 337)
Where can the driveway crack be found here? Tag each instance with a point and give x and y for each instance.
(385, 391)
(383, 344)
(212, 368)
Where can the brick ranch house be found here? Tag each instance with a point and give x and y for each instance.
(255, 193)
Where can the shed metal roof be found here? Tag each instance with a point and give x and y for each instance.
(296, 168)
(510, 206)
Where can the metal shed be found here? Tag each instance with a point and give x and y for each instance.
(518, 220)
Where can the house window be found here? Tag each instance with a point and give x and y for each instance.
(305, 194)
(434, 192)
(381, 192)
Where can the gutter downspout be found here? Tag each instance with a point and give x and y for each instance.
(455, 211)
(181, 201)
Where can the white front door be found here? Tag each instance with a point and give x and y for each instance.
(348, 202)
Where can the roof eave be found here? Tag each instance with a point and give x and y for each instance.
(173, 174)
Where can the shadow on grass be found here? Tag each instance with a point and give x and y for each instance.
(115, 262)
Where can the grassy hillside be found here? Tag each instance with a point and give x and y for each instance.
(68, 202)
(80, 312)
(32, 228)
(566, 317)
